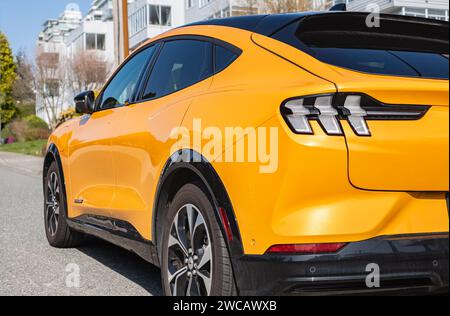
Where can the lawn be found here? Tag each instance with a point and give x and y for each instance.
(33, 148)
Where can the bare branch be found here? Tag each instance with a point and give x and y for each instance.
(87, 72)
(50, 83)
(285, 6)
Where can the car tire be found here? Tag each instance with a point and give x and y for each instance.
(59, 234)
(197, 263)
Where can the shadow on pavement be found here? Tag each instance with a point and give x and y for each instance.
(125, 263)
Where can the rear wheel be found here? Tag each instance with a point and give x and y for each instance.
(58, 233)
(195, 260)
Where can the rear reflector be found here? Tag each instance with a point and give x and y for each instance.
(306, 249)
(226, 223)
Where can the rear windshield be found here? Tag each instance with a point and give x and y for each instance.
(387, 62)
(401, 46)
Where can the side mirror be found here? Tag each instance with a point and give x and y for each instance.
(84, 102)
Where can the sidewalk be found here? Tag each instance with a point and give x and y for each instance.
(24, 164)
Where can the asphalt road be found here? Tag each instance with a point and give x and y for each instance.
(29, 266)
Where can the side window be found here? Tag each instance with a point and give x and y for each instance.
(122, 87)
(224, 58)
(180, 64)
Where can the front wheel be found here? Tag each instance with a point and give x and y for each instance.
(58, 233)
(195, 259)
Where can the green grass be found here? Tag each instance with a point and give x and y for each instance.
(33, 148)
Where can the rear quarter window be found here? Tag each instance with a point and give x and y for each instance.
(223, 58)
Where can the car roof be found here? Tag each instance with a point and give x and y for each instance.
(263, 24)
(270, 24)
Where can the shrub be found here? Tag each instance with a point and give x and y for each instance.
(6, 132)
(28, 129)
(67, 115)
(36, 122)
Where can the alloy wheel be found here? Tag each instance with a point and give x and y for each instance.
(190, 261)
(52, 204)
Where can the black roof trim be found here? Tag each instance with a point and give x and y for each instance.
(270, 24)
(248, 23)
(262, 24)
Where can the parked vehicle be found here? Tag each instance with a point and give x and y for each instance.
(358, 188)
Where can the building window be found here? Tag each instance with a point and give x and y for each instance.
(224, 13)
(160, 15)
(95, 41)
(51, 88)
(437, 14)
(101, 41)
(203, 3)
(138, 20)
(190, 3)
(90, 41)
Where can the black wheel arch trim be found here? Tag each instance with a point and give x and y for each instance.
(191, 161)
(53, 155)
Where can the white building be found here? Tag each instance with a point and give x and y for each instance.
(432, 9)
(95, 33)
(101, 10)
(149, 18)
(69, 35)
(55, 31)
(198, 10)
(51, 46)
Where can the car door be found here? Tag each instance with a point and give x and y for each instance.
(92, 171)
(183, 69)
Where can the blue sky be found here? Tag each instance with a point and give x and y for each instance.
(21, 20)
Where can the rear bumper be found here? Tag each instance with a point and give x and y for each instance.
(413, 264)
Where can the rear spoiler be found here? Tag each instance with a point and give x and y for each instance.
(332, 25)
(351, 30)
(339, 7)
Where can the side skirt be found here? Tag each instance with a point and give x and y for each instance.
(117, 232)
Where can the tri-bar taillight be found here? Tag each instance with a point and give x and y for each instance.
(329, 109)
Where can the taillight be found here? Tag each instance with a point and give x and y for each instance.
(306, 249)
(328, 110)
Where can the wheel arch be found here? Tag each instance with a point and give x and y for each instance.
(188, 166)
(51, 156)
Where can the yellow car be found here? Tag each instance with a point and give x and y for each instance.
(290, 154)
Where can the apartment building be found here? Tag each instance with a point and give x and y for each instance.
(198, 10)
(149, 18)
(63, 38)
(432, 9)
(95, 33)
(55, 31)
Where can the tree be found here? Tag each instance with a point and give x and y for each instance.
(248, 7)
(23, 85)
(285, 6)
(50, 82)
(281, 6)
(7, 77)
(87, 72)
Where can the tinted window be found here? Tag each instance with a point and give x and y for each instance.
(401, 46)
(122, 87)
(224, 57)
(371, 61)
(399, 63)
(426, 64)
(181, 64)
